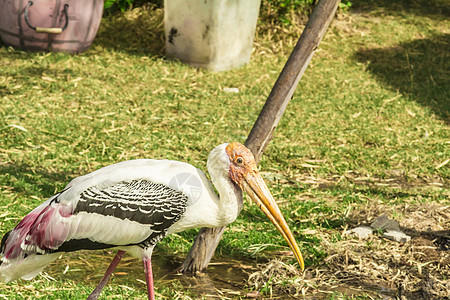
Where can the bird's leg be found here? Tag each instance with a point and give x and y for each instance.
(96, 293)
(149, 277)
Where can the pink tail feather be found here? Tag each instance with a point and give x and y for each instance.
(39, 231)
(26, 249)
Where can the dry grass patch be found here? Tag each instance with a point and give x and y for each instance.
(374, 268)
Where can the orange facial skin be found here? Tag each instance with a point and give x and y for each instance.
(242, 162)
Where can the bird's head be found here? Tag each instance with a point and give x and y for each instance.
(243, 171)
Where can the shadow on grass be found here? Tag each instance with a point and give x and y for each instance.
(436, 8)
(138, 31)
(418, 69)
(29, 181)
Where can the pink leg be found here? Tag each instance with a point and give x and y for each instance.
(96, 293)
(149, 277)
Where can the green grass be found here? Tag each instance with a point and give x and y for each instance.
(369, 124)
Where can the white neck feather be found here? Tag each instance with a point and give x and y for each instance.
(214, 211)
(230, 195)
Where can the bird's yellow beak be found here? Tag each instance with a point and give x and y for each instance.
(257, 189)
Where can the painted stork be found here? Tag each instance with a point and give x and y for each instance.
(132, 205)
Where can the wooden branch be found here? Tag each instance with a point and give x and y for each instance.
(207, 240)
(268, 119)
(202, 250)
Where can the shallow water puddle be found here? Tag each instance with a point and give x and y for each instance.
(224, 277)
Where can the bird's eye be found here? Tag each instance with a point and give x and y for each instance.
(239, 160)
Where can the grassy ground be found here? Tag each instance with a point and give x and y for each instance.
(366, 133)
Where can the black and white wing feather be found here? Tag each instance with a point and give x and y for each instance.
(152, 205)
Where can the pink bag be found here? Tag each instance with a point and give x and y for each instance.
(50, 25)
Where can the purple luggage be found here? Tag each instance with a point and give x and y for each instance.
(50, 25)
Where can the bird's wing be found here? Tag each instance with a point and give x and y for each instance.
(128, 212)
(123, 204)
